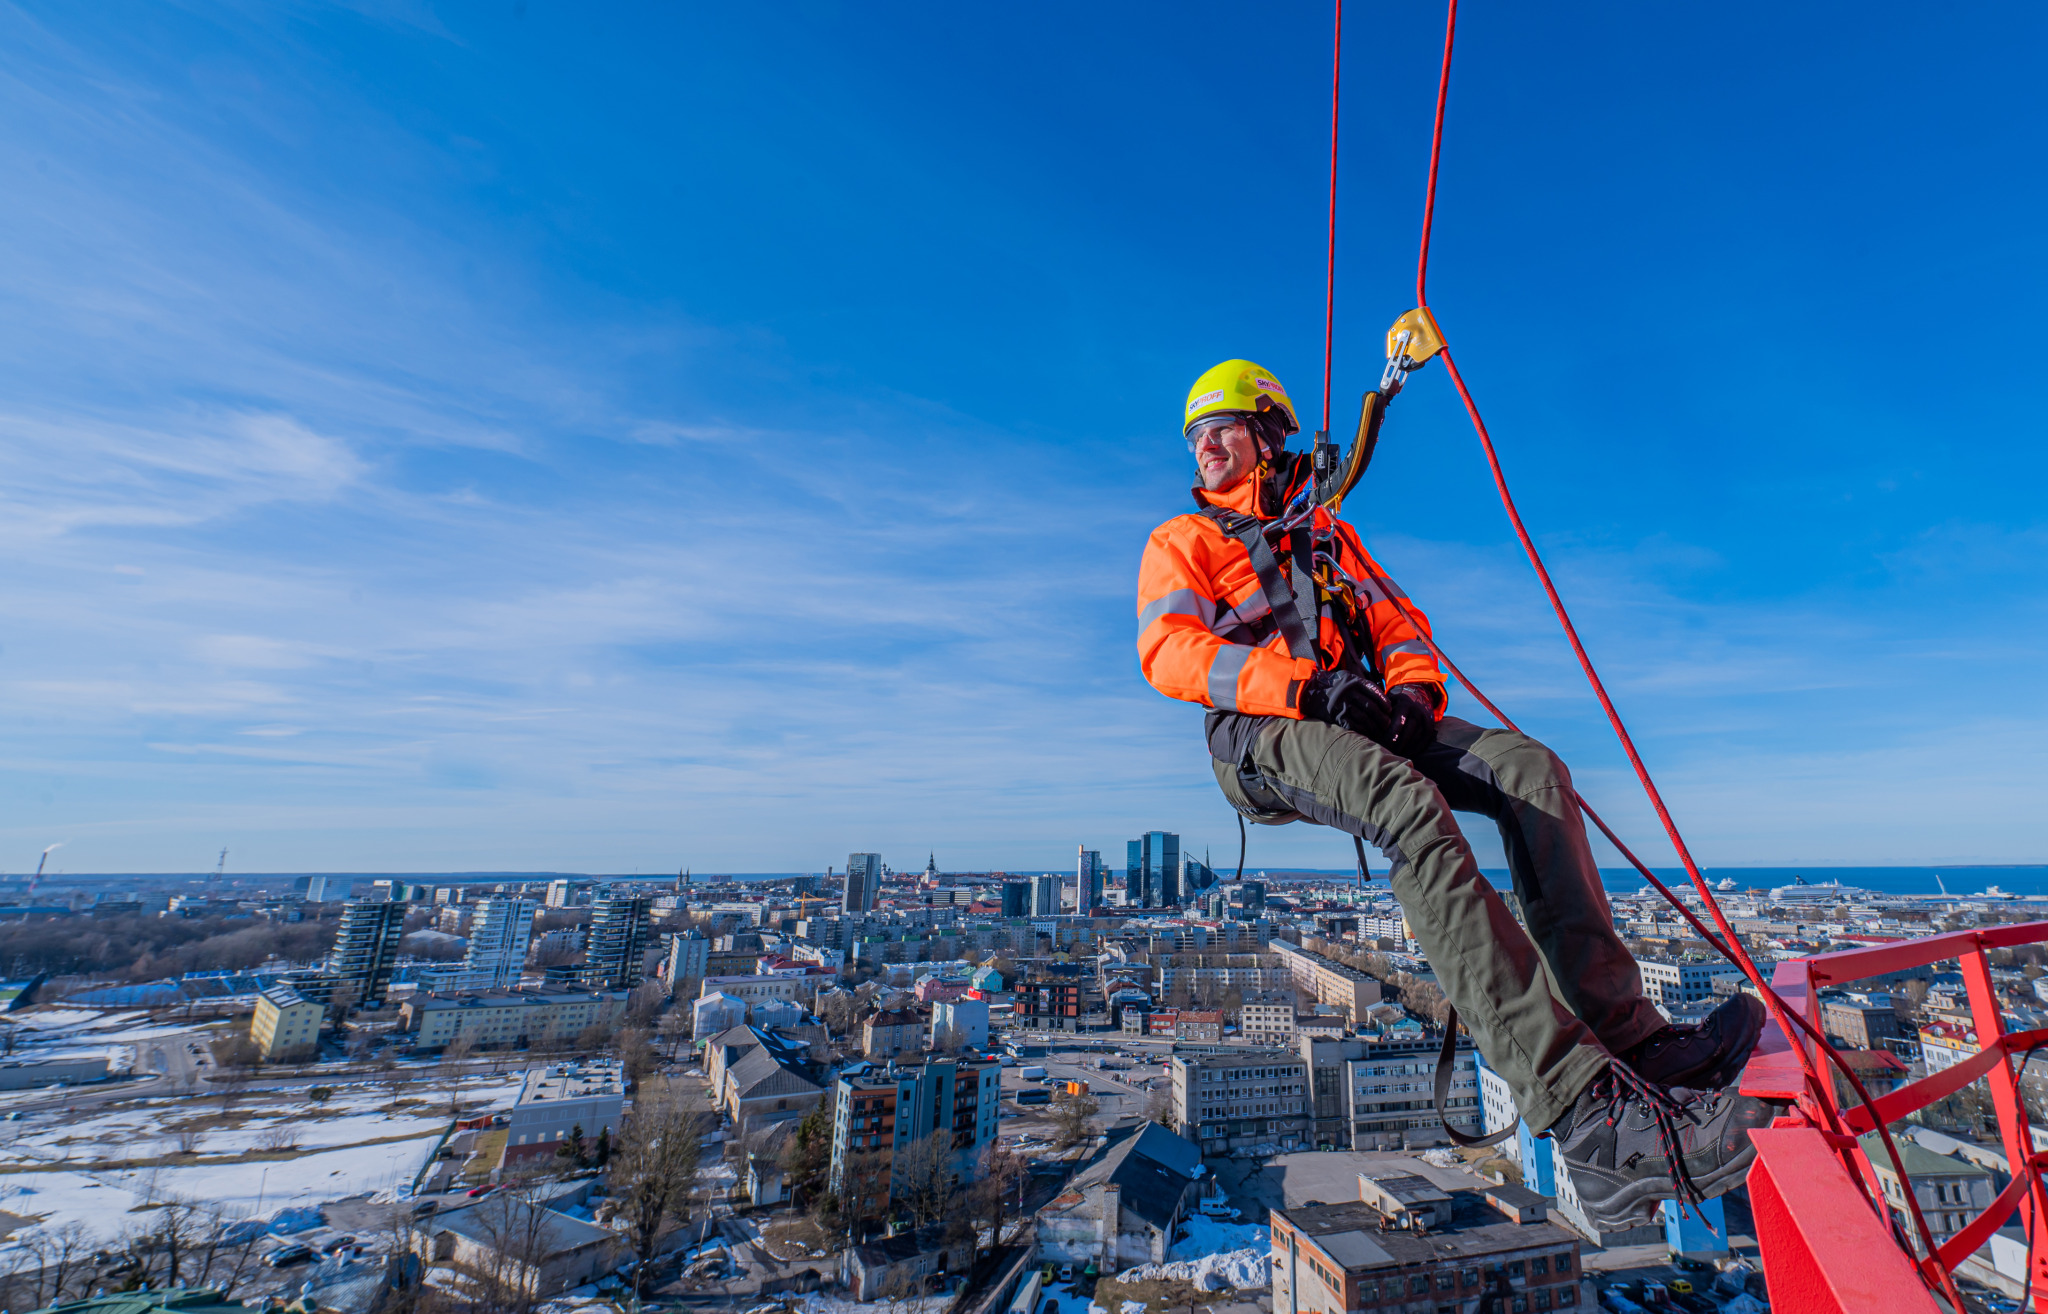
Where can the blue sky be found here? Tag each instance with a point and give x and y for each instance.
(531, 436)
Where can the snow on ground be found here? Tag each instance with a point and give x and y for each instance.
(102, 1200)
(353, 1115)
(1207, 1236)
(1246, 1270)
(1215, 1255)
(57, 1019)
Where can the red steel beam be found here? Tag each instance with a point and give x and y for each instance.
(1824, 1250)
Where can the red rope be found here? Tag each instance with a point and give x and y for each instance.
(1436, 154)
(1729, 944)
(1330, 272)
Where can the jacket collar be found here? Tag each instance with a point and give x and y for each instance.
(1241, 497)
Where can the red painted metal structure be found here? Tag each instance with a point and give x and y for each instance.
(1829, 1242)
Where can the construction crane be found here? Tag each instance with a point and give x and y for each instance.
(37, 879)
(219, 869)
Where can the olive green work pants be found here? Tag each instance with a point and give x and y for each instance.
(1546, 1014)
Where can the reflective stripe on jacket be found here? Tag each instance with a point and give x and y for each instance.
(1200, 608)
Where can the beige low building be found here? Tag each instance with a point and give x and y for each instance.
(500, 1019)
(286, 1028)
(1271, 1023)
(1321, 980)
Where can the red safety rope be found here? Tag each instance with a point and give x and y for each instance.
(1727, 942)
(1330, 271)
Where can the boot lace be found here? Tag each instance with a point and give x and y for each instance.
(1619, 1086)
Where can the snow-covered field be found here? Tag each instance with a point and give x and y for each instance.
(353, 1114)
(340, 1135)
(102, 1200)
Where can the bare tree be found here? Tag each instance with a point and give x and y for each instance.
(453, 1058)
(654, 1165)
(50, 1265)
(283, 1136)
(636, 1053)
(807, 1155)
(644, 1005)
(1071, 1118)
(187, 1140)
(839, 1012)
(860, 1195)
(927, 1180)
(223, 1250)
(996, 1196)
(513, 1232)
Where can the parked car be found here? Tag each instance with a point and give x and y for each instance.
(481, 1190)
(338, 1243)
(423, 1207)
(291, 1254)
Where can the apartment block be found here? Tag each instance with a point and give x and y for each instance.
(1671, 984)
(879, 1114)
(689, 959)
(1049, 1004)
(366, 948)
(615, 954)
(1322, 980)
(500, 933)
(1380, 1094)
(495, 1019)
(286, 1028)
(1225, 1102)
(1268, 1023)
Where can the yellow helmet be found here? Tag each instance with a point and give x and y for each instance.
(1241, 387)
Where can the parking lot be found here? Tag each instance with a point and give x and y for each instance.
(1124, 1088)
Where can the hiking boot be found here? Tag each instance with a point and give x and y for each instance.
(1630, 1145)
(1707, 1056)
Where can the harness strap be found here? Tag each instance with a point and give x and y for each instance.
(1445, 1059)
(1293, 607)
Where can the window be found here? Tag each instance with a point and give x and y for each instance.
(1567, 1296)
(1564, 1262)
(1470, 1277)
(1418, 1285)
(1514, 1269)
(1542, 1297)
(1446, 1280)
(1539, 1265)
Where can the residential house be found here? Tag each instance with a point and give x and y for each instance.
(509, 1243)
(1122, 1210)
(891, 1034)
(907, 1264)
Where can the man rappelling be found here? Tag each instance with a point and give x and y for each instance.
(1326, 705)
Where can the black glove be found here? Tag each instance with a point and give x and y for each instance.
(1349, 702)
(1414, 707)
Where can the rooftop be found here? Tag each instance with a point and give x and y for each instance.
(1355, 1235)
(530, 997)
(582, 1080)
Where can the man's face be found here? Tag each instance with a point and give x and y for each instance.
(1225, 452)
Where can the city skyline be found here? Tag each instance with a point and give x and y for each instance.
(394, 424)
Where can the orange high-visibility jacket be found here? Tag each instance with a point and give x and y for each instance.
(1199, 605)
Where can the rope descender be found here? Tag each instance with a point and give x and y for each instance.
(1412, 342)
